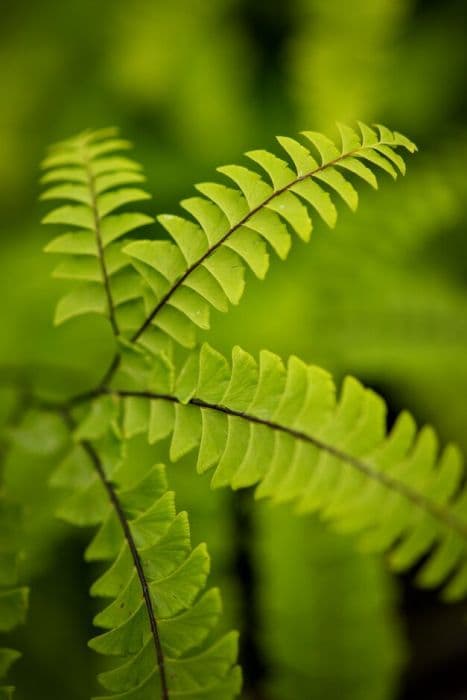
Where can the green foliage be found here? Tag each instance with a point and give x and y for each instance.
(235, 226)
(159, 618)
(86, 172)
(204, 267)
(282, 428)
(382, 297)
(278, 427)
(13, 598)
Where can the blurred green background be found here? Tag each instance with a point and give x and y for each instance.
(194, 84)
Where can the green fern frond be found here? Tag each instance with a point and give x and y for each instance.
(282, 428)
(13, 599)
(86, 173)
(160, 620)
(233, 226)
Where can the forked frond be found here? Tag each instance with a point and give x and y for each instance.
(160, 620)
(230, 226)
(87, 172)
(282, 428)
(13, 598)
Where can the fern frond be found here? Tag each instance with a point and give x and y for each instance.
(233, 226)
(160, 619)
(282, 428)
(13, 598)
(86, 173)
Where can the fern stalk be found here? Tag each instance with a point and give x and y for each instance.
(138, 566)
(114, 500)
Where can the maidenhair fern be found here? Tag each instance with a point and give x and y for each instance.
(278, 427)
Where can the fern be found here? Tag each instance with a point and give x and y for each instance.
(233, 226)
(159, 619)
(280, 428)
(283, 429)
(168, 292)
(90, 175)
(204, 267)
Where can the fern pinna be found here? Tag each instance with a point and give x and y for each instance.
(265, 423)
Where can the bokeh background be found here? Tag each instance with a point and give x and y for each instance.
(194, 83)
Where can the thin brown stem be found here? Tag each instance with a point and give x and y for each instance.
(113, 498)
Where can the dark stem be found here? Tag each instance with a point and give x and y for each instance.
(113, 367)
(94, 457)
